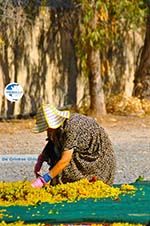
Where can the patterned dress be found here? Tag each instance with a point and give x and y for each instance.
(93, 154)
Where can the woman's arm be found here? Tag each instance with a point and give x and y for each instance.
(47, 155)
(38, 165)
(62, 163)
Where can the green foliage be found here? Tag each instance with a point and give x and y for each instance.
(104, 23)
(140, 178)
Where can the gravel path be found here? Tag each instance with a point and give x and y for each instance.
(130, 137)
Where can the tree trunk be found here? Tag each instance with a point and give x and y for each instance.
(97, 102)
(142, 74)
(4, 63)
(70, 67)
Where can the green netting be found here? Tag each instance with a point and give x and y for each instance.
(129, 208)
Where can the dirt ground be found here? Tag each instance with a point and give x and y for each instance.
(130, 136)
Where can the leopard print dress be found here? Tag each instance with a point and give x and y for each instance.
(93, 154)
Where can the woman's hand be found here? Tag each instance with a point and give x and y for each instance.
(41, 181)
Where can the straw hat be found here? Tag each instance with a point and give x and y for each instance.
(49, 117)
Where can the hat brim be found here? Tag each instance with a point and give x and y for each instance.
(38, 129)
(49, 117)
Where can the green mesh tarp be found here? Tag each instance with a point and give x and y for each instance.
(128, 208)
